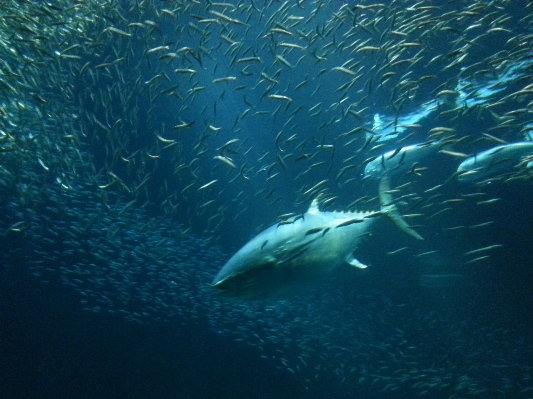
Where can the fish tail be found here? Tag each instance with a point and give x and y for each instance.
(389, 208)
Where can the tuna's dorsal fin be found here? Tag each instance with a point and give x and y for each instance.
(313, 208)
(354, 262)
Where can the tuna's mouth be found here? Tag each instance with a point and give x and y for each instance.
(267, 281)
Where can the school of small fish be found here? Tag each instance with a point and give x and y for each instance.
(142, 142)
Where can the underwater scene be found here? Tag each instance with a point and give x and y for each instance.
(266, 199)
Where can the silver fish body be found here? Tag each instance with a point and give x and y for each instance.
(400, 160)
(493, 161)
(288, 256)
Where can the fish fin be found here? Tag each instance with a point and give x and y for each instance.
(354, 262)
(313, 208)
(389, 208)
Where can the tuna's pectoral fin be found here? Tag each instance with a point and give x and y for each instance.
(354, 262)
(391, 211)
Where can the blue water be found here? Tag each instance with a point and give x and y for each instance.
(104, 278)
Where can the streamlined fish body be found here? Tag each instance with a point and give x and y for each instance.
(493, 161)
(285, 257)
(300, 251)
(400, 160)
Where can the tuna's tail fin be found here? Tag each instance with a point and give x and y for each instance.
(389, 208)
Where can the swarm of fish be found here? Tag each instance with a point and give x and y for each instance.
(142, 142)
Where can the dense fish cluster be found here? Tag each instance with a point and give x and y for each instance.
(141, 142)
(120, 260)
(370, 344)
